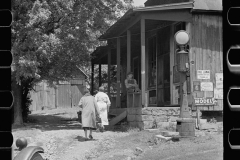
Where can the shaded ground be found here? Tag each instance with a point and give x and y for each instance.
(58, 132)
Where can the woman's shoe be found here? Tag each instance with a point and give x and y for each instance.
(90, 137)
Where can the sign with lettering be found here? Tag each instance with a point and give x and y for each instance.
(204, 101)
(203, 74)
(206, 86)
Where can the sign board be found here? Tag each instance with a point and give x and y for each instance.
(219, 80)
(203, 74)
(218, 93)
(204, 101)
(206, 86)
(196, 86)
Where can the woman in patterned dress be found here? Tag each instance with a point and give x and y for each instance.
(103, 103)
(89, 112)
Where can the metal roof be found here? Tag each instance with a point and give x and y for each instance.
(208, 5)
(130, 15)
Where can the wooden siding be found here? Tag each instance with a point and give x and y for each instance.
(206, 49)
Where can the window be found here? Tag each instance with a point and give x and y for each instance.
(152, 69)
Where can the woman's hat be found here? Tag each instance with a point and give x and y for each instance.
(101, 88)
(130, 73)
(86, 91)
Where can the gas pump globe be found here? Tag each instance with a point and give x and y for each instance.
(182, 39)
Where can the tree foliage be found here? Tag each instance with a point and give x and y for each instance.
(50, 37)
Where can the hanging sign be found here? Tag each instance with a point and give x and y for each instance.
(204, 101)
(196, 86)
(219, 80)
(203, 74)
(206, 86)
(218, 93)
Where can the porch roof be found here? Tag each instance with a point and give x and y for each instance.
(132, 16)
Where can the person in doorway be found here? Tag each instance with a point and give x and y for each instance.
(89, 112)
(130, 83)
(104, 104)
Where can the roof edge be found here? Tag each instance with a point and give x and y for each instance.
(82, 71)
(166, 7)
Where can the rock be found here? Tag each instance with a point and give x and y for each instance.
(138, 151)
(163, 138)
(203, 121)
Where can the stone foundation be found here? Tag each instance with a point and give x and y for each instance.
(151, 117)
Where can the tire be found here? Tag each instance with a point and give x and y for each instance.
(37, 156)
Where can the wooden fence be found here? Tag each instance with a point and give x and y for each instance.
(63, 96)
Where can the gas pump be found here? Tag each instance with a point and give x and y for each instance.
(185, 124)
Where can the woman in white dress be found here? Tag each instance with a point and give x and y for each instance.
(103, 103)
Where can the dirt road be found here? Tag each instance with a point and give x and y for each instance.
(62, 139)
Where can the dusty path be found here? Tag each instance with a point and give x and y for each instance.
(58, 132)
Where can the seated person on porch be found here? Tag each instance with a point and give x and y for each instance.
(131, 84)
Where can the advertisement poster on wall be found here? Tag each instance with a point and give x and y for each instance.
(203, 74)
(196, 86)
(206, 86)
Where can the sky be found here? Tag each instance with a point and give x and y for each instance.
(139, 2)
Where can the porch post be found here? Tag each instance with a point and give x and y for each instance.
(92, 83)
(100, 73)
(143, 56)
(109, 67)
(118, 73)
(128, 51)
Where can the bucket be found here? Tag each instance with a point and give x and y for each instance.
(186, 127)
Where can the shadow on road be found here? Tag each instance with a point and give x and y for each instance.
(82, 139)
(50, 122)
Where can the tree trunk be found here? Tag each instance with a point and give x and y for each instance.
(17, 92)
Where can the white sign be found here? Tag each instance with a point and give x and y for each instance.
(218, 93)
(204, 101)
(206, 86)
(219, 80)
(203, 74)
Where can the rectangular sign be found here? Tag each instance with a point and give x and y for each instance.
(204, 101)
(219, 80)
(203, 74)
(218, 93)
(206, 86)
(196, 86)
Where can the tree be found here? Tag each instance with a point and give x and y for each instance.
(51, 37)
